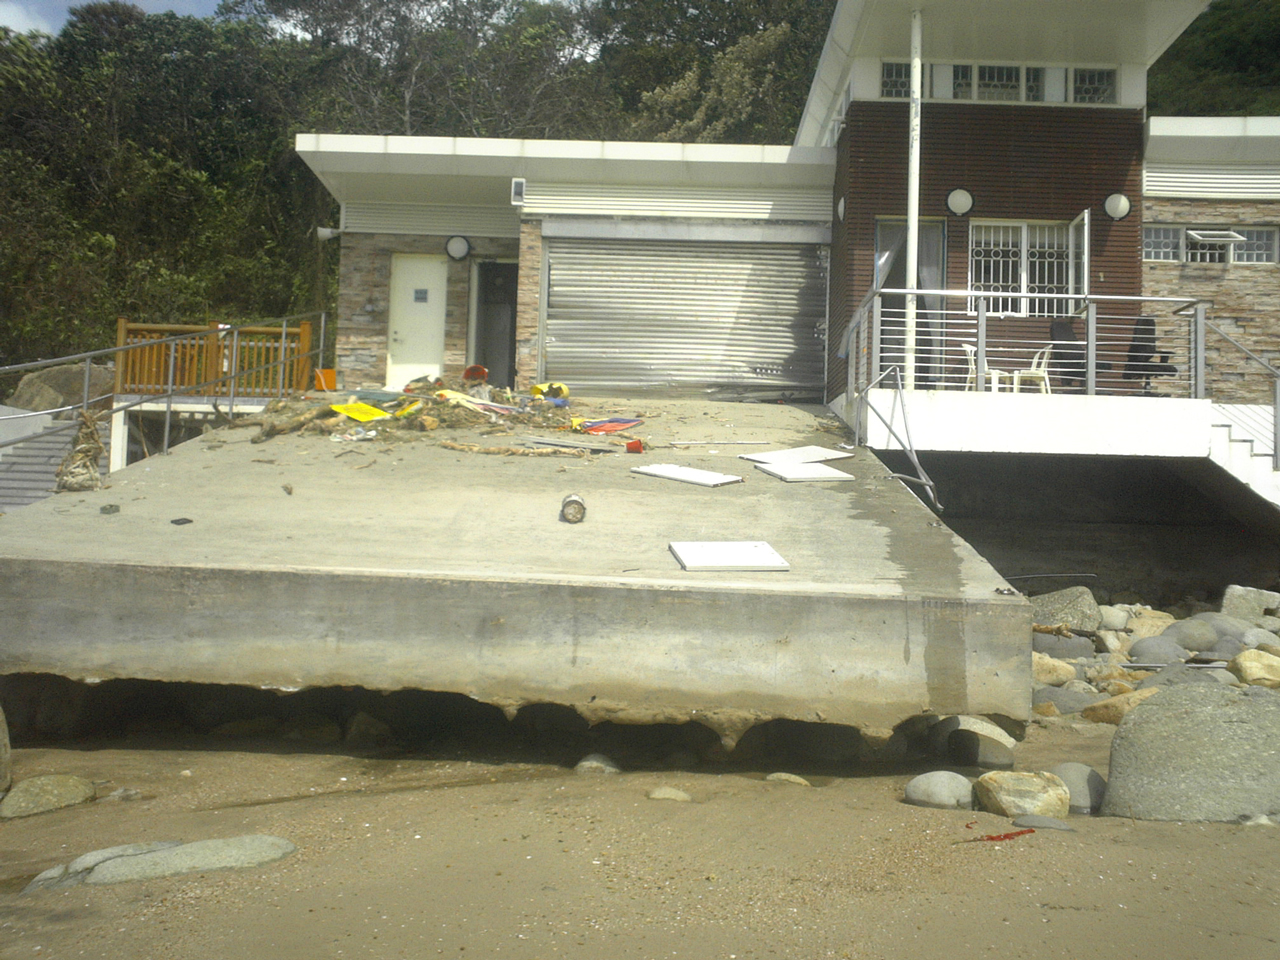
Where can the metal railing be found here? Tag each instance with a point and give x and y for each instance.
(1243, 395)
(163, 362)
(1137, 346)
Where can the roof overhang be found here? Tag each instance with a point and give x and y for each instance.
(1070, 32)
(461, 171)
(1222, 140)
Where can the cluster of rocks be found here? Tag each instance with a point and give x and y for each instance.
(1101, 662)
(1200, 748)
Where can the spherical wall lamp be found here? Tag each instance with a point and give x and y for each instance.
(1117, 206)
(959, 201)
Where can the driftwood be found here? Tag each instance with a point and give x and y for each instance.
(272, 427)
(79, 468)
(513, 451)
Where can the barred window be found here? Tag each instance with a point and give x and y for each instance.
(1161, 243)
(1259, 245)
(1093, 86)
(895, 80)
(1209, 244)
(999, 83)
(1021, 259)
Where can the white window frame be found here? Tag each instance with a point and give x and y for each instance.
(1192, 244)
(941, 82)
(1014, 294)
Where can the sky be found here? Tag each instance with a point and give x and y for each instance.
(48, 16)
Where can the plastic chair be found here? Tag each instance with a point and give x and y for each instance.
(1038, 372)
(994, 376)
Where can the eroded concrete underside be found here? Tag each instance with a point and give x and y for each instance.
(314, 563)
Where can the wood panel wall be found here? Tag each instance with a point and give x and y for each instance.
(1019, 162)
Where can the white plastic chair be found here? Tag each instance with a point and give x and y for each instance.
(994, 376)
(1038, 372)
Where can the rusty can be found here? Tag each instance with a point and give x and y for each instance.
(572, 509)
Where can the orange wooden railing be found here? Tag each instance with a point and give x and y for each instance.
(212, 360)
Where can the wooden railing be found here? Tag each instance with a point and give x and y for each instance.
(212, 361)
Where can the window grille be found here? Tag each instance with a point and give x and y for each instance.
(1161, 243)
(1210, 244)
(1023, 259)
(999, 83)
(895, 80)
(1259, 245)
(1093, 86)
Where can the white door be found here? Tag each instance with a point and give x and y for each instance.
(415, 322)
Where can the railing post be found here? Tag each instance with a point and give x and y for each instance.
(875, 339)
(1091, 349)
(284, 351)
(84, 406)
(168, 393)
(980, 359)
(235, 370)
(1197, 344)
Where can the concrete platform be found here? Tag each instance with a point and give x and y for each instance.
(416, 566)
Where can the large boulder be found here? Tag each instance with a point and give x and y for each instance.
(1073, 606)
(1198, 751)
(1061, 648)
(1085, 784)
(1010, 794)
(1192, 634)
(1226, 627)
(1158, 651)
(62, 386)
(1257, 667)
(41, 794)
(943, 789)
(1114, 709)
(1251, 604)
(1071, 697)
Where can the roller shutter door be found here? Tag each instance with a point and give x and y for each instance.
(738, 319)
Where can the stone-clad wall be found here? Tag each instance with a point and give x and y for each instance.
(364, 294)
(528, 303)
(1244, 297)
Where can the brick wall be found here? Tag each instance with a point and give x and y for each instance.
(364, 294)
(1245, 297)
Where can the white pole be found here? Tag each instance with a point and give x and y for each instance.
(913, 203)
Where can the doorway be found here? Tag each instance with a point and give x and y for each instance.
(495, 342)
(415, 320)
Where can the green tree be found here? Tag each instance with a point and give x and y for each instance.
(1227, 63)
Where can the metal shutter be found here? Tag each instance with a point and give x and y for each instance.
(739, 319)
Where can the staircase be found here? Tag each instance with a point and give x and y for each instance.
(27, 468)
(1242, 442)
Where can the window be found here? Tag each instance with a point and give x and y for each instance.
(895, 80)
(1024, 259)
(1209, 244)
(1004, 82)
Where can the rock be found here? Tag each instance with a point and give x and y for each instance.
(1145, 622)
(42, 794)
(595, 763)
(1176, 673)
(1232, 628)
(1033, 821)
(61, 386)
(1271, 648)
(1046, 708)
(365, 732)
(1085, 785)
(1061, 648)
(1223, 650)
(1197, 752)
(1012, 794)
(87, 861)
(1191, 634)
(1055, 673)
(972, 741)
(669, 793)
(942, 789)
(48, 879)
(1257, 668)
(788, 778)
(1069, 698)
(1115, 709)
(1157, 650)
(1103, 672)
(1113, 618)
(1112, 641)
(1255, 636)
(1114, 688)
(6, 757)
(1249, 603)
(202, 855)
(1073, 606)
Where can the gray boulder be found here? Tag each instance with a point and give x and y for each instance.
(1069, 698)
(1061, 648)
(1192, 634)
(1198, 751)
(62, 386)
(1226, 627)
(1250, 603)
(942, 789)
(230, 853)
(1157, 650)
(1085, 784)
(1073, 606)
(1256, 635)
(1178, 673)
(42, 794)
(595, 764)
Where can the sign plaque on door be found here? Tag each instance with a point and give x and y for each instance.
(420, 296)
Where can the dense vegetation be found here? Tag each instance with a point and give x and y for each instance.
(146, 161)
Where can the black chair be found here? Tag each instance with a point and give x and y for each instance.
(1141, 363)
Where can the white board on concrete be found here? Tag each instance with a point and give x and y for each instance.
(672, 471)
(727, 555)
(809, 454)
(800, 472)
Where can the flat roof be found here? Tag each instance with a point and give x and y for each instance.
(479, 170)
(1214, 140)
